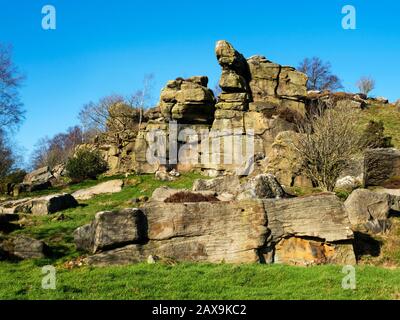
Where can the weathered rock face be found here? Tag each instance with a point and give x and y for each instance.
(308, 230)
(112, 186)
(112, 229)
(188, 101)
(251, 110)
(368, 209)
(22, 247)
(298, 251)
(213, 232)
(39, 206)
(380, 166)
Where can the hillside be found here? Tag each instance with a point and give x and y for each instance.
(389, 114)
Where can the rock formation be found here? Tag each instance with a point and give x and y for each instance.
(310, 230)
(249, 125)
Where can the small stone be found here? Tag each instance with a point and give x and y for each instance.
(152, 259)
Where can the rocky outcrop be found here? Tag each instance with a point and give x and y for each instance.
(39, 206)
(381, 166)
(112, 186)
(252, 231)
(187, 100)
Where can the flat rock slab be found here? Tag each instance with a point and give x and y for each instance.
(112, 186)
(39, 206)
(320, 216)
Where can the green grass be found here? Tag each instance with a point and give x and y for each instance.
(22, 280)
(198, 281)
(389, 114)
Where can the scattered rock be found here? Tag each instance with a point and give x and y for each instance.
(364, 206)
(152, 259)
(348, 183)
(112, 186)
(39, 206)
(174, 173)
(164, 176)
(22, 247)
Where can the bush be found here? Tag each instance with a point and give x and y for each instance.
(374, 137)
(86, 164)
(184, 196)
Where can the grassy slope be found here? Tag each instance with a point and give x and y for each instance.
(389, 114)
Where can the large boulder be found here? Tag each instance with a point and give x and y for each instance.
(209, 232)
(368, 209)
(22, 247)
(112, 186)
(40, 175)
(39, 206)
(381, 166)
(112, 229)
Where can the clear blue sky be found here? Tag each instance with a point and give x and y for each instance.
(104, 47)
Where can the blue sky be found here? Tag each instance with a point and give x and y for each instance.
(105, 47)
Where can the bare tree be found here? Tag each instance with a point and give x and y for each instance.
(115, 111)
(326, 143)
(53, 151)
(11, 112)
(6, 156)
(142, 98)
(319, 75)
(94, 116)
(366, 85)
